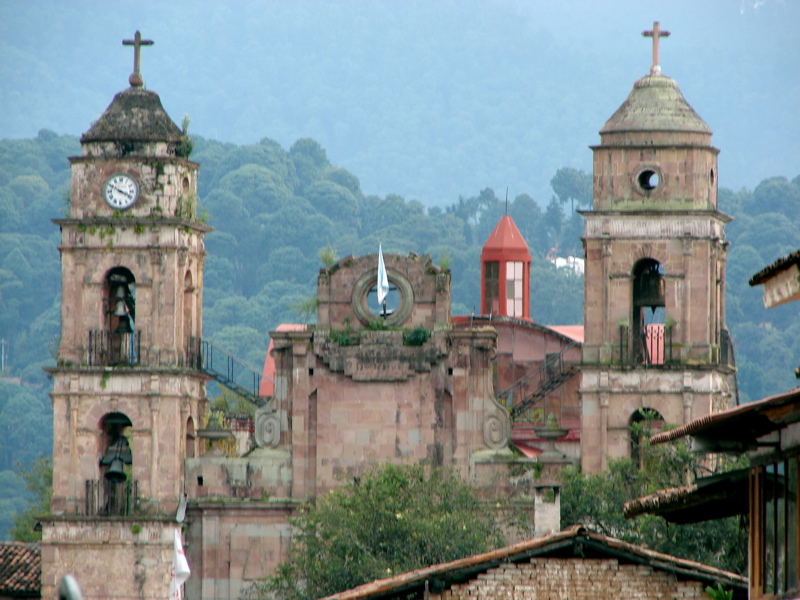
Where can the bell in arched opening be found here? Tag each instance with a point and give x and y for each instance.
(648, 332)
(648, 285)
(118, 453)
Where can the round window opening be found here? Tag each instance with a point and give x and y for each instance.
(390, 305)
(649, 180)
(396, 307)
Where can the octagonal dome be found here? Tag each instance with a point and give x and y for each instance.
(134, 114)
(655, 104)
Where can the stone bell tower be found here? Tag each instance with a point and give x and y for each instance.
(126, 396)
(654, 299)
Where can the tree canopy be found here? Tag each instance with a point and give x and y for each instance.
(388, 520)
(596, 500)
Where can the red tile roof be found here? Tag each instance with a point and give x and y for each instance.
(506, 238)
(267, 387)
(574, 542)
(741, 423)
(779, 265)
(20, 570)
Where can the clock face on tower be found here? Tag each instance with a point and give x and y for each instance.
(120, 191)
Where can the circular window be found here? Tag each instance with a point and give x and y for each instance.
(395, 310)
(390, 304)
(648, 180)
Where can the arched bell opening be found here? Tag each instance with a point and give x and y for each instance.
(119, 343)
(643, 423)
(649, 318)
(116, 486)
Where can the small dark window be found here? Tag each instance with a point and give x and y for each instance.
(648, 180)
(491, 277)
(200, 480)
(311, 372)
(449, 370)
(711, 176)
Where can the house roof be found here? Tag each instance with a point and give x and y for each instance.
(267, 386)
(743, 424)
(20, 570)
(574, 332)
(714, 497)
(576, 542)
(568, 333)
(779, 265)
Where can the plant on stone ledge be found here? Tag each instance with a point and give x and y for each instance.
(345, 337)
(417, 336)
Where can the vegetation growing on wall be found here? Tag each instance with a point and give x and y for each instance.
(273, 210)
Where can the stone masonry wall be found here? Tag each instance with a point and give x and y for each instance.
(576, 579)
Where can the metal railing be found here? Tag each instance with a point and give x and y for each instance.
(108, 498)
(111, 349)
(536, 385)
(656, 346)
(231, 371)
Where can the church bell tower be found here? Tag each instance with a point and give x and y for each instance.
(656, 346)
(127, 395)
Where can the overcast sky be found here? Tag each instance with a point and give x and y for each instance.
(383, 85)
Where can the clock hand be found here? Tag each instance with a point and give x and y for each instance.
(116, 189)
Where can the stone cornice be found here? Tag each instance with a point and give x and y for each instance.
(147, 222)
(600, 224)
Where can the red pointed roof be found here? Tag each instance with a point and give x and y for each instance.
(506, 242)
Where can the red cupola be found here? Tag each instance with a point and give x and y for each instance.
(505, 272)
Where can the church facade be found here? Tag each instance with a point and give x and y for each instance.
(135, 457)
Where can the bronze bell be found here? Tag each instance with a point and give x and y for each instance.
(116, 472)
(124, 325)
(649, 289)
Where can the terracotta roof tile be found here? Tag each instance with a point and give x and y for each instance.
(20, 570)
(779, 265)
(587, 541)
(744, 422)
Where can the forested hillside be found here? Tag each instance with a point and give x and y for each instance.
(429, 100)
(274, 208)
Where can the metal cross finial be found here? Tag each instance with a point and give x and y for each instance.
(137, 42)
(655, 33)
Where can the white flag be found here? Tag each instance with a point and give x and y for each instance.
(179, 571)
(383, 278)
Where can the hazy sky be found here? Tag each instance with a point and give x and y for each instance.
(426, 99)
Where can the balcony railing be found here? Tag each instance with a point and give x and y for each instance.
(111, 349)
(656, 346)
(108, 498)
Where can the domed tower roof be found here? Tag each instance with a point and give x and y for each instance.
(505, 242)
(655, 112)
(135, 114)
(655, 104)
